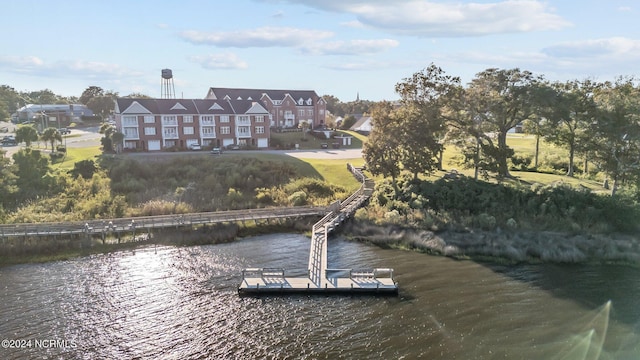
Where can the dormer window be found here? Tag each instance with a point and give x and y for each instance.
(300, 101)
(309, 101)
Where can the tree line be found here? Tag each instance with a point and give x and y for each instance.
(98, 100)
(600, 121)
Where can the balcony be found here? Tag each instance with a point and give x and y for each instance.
(208, 135)
(131, 133)
(170, 135)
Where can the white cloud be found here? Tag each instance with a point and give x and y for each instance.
(219, 61)
(614, 48)
(33, 65)
(353, 24)
(431, 19)
(21, 63)
(366, 65)
(259, 37)
(353, 47)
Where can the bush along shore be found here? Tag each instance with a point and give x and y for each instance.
(467, 219)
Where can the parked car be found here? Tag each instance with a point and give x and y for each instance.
(233, 147)
(9, 141)
(195, 147)
(324, 146)
(216, 150)
(64, 131)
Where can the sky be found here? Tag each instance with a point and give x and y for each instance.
(343, 48)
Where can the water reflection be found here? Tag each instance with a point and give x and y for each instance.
(181, 303)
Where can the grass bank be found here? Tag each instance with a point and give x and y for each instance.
(509, 247)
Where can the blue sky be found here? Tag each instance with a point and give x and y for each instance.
(335, 47)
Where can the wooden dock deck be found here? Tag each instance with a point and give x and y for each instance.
(322, 279)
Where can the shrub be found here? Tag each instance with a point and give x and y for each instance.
(298, 198)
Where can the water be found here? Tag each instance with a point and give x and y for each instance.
(182, 303)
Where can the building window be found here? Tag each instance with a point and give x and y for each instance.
(149, 131)
(321, 111)
(301, 112)
(243, 131)
(188, 130)
(130, 120)
(149, 119)
(310, 112)
(208, 131)
(170, 120)
(207, 119)
(187, 118)
(225, 130)
(259, 118)
(259, 129)
(224, 118)
(131, 133)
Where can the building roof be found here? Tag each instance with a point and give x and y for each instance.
(187, 106)
(258, 94)
(364, 120)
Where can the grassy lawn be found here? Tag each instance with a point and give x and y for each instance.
(335, 171)
(309, 142)
(77, 154)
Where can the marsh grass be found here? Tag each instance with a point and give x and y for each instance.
(507, 247)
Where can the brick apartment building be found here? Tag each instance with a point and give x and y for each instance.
(159, 124)
(287, 108)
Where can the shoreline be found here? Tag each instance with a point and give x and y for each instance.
(502, 247)
(507, 247)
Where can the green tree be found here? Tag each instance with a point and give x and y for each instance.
(383, 151)
(8, 182)
(116, 139)
(84, 168)
(51, 135)
(45, 96)
(304, 126)
(107, 140)
(99, 101)
(31, 171)
(26, 134)
(90, 93)
(348, 122)
(615, 133)
(419, 144)
(431, 92)
(501, 99)
(569, 110)
(4, 111)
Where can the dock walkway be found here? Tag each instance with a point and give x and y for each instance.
(322, 279)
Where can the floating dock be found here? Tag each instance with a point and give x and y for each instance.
(320, 279)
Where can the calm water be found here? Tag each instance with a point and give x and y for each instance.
(181, 303)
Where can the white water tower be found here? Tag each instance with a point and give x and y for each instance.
(168, 90)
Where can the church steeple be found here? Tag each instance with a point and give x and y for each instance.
(358, 96)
